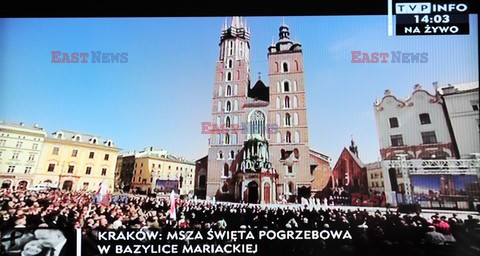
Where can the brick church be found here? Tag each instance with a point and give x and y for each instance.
(258, 149)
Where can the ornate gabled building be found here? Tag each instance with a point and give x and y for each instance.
(416, 126)
(258, 147)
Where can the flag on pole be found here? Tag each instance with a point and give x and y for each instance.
(102, 194)
(173, 214)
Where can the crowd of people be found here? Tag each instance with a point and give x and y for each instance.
(372, 233)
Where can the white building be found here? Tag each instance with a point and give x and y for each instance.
(416, 126)
(461, 101)
(20, 148)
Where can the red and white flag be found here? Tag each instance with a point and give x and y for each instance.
(102, 194)
(173, 214)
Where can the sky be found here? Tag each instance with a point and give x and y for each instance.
(163, 93)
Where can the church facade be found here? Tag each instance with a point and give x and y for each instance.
(258, 147)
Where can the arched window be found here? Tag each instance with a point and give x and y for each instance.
(276, 66)
(296, 153)
(288, 137)
(235, 119)
(227, 139)
(225, 170)
(217, 139)
(238, 74)
(295, 118)
(235, 106)
(287, 102)
(77, 138)
(295, 102)
(220, 155)
(227, 122)
(60, 135)
(286, 86)
(219, 106)
(295, 87)
(296, 65)
(234, 139)
(230, 63)
(235, 90)
(285, 67)
(277, 118)
(228, 106)
(279, 137)
(297, 137)
(291, 187)
(218, 121)
(220, 91)
(288, 119)
(229, 91)
(232, 154)
(229, 76)
(230, 48)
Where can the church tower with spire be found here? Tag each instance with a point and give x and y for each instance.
(258, 148)
(289, 147)
(230, 91)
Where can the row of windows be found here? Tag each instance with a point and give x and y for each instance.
(78, 138)
(288, 120)
(231, 155)
(229, 91)
(288, 137)
(228, 106)
(375, 184)
(427, 138)
(376, 175)
(424, 119)
(286, 103)
(11, 169)
(160, 166)
(285, 66)
(229, 50)
(16, 155)
(287, 86)
(226, 139)
(19, 144)
(71, 168)
(91, 155)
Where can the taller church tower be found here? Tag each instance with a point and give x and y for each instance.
(230, 91)
(289, 148)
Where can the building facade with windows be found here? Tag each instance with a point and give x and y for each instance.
(124, 171)
(258, 147)
(462, 108)
(376, 183)
(156, 171)
(416, 126)
(76, 161)
(20, 149)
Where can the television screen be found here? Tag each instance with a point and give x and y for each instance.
(351, 129)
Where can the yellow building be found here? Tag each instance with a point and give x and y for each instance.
(157, 171)
(20, 147)
(75, 161)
